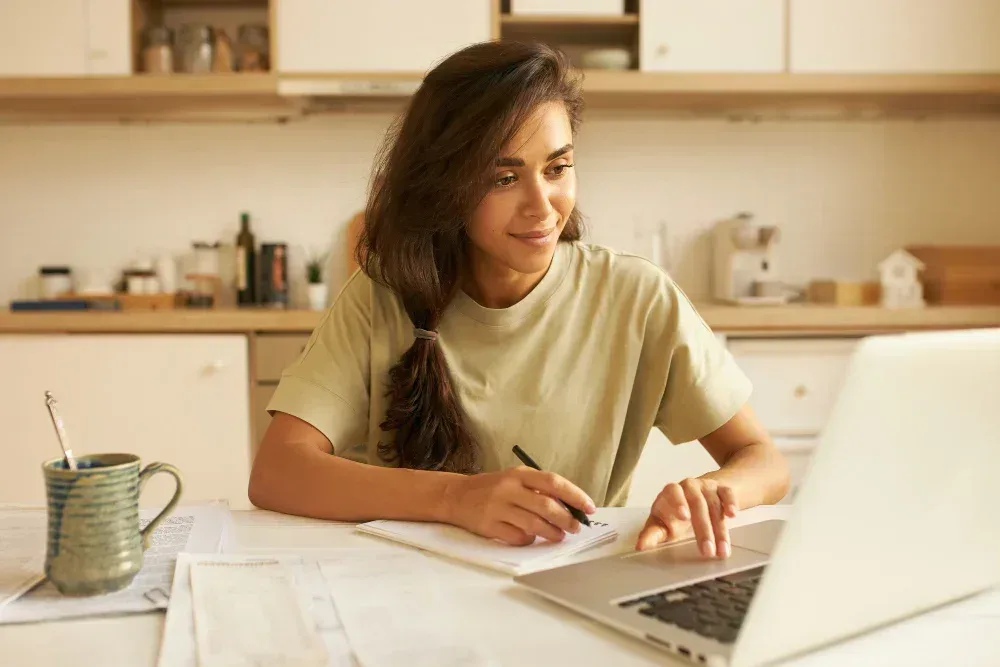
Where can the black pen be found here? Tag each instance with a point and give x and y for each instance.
(526, 460)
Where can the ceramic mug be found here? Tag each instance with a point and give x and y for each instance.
(94, 541)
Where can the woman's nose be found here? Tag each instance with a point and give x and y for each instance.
(537, 203)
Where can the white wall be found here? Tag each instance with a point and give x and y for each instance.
(844, 193)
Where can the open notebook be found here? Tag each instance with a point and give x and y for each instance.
(462, 545)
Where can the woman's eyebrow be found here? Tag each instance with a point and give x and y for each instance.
(518, 162)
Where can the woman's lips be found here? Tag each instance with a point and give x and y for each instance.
(537, 237)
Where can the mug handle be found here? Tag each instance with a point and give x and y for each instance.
(148, 472)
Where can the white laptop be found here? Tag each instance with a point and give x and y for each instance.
(897, 514)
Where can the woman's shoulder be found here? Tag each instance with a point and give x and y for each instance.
(619, 269)
(362, 296)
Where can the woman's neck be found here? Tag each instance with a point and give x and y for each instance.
(494, 285)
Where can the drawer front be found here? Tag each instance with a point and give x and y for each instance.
(275, 353)
(262, 394)
(795, 381)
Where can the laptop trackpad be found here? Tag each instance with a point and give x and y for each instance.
(683, 562)
(760, 536)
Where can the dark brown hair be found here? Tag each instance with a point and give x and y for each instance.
(436, 165)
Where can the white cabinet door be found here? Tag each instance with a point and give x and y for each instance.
(40, 38)
(109, 42)
(328, 36)
(182, 399)
(895, 36)
(43, 37)
(712, 35)
(795, 382)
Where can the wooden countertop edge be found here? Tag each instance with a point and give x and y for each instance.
(735, 320)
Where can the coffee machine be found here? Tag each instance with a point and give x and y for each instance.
(744, 267)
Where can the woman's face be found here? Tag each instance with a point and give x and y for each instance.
(517, 225)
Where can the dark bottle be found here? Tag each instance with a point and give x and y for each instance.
(246, 283)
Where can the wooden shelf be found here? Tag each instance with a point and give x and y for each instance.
(213, 3)
(758, 320)
(714, 93)
(568, 20)
(172, 97)
(608, 30)
(268, 96)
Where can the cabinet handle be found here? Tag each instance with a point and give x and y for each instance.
(217, 365)
(662, 50)
(800, 391)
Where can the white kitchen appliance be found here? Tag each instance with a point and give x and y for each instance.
(744, 262)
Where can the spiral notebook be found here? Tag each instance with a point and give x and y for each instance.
(459, 544)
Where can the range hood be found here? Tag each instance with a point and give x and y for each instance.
(336, 93)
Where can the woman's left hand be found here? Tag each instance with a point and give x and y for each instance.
(696, 504)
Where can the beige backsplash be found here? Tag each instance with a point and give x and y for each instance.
(843, 193)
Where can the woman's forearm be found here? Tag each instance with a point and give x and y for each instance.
(757, 473)
(298, 478)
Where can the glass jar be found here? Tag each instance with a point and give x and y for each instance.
(158, 50)
(56, 281)
(253, 47)
(206, 258)
(195, 48)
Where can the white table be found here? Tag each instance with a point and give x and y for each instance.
(517, 627)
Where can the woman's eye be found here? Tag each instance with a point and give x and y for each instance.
(506, 181)
(560, 169)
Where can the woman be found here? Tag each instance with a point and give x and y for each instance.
(479, 321)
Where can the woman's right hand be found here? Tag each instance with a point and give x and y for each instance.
(515, 505)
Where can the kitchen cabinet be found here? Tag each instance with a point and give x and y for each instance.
(894, 36)
(795, 381)
(319, 36)
(50, 38)
(712, 35)
(178, 398)
(273, 353)
(798, 453)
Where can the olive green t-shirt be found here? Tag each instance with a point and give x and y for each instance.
(604, 348)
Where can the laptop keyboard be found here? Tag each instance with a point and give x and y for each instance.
(714, 608)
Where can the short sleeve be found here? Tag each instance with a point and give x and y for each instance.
(327, 386)
(705, 388)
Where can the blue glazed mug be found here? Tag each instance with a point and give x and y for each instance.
(95, 544)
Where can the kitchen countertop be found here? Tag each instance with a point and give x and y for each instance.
(758, 320)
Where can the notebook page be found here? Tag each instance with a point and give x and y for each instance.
(462, 545)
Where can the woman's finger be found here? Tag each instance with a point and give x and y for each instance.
(728, 498)
(652, 534)
(557, 487)
(671, 505)
(548, 509)
(719, 526)
(512, 535)
(700, 518)
(532, 524)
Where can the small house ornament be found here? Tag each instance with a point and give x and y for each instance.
(901, 286)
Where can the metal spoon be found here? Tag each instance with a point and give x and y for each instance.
(57, 422)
